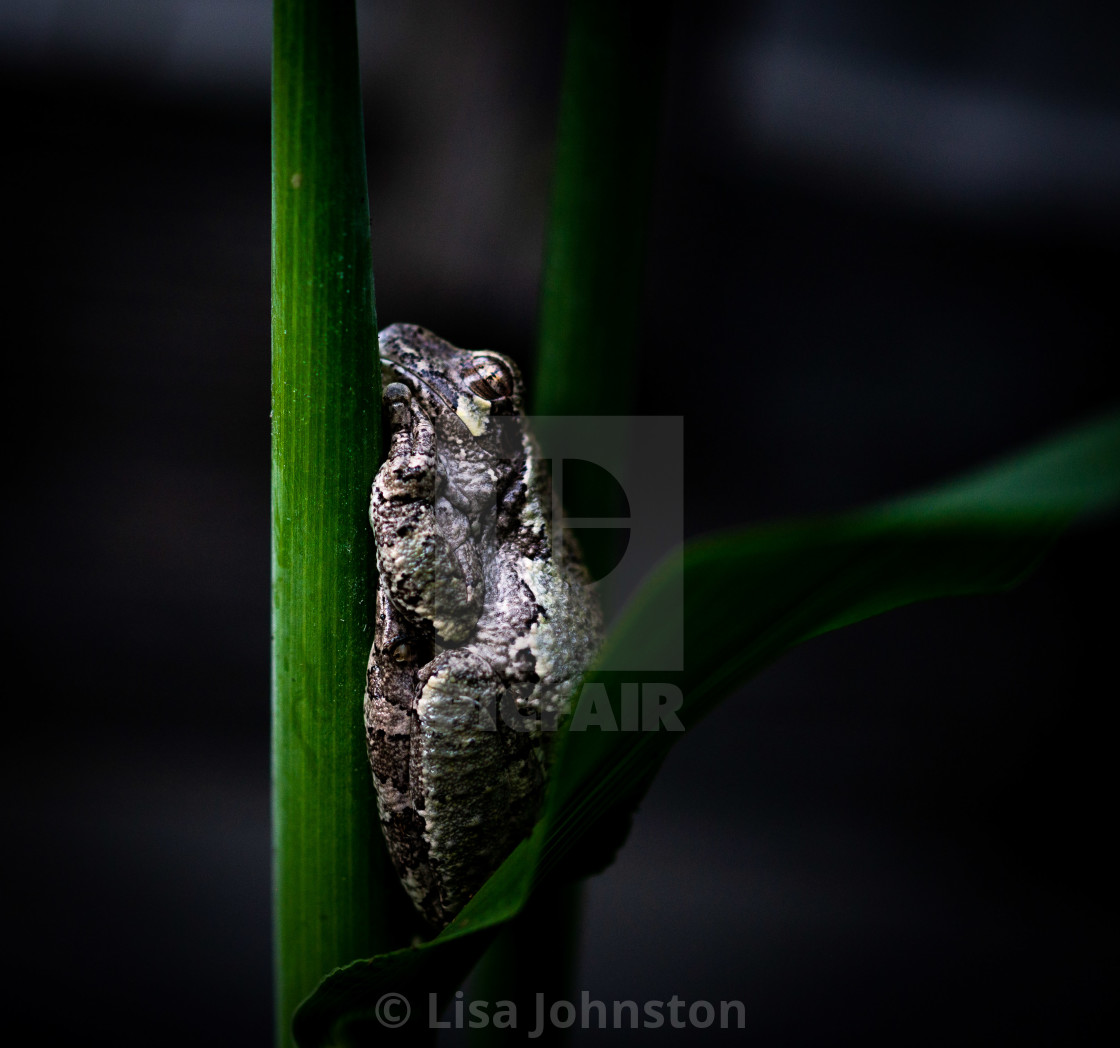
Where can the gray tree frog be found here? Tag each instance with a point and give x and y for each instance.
(484, 621)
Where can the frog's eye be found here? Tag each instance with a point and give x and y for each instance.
(489, 378)
(401, 652)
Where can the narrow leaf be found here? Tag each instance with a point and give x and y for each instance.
(750, 596)
(325, 400)
(606, 141)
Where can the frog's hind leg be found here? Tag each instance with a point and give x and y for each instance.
(399, 650)
(479, 778)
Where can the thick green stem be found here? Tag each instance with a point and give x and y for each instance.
(606, 141)
(590, 301)
(591, 292)
(325, 429)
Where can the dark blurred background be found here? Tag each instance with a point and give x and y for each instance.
(894, 226)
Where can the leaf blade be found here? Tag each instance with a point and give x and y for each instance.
(325, 429)
(982, 533)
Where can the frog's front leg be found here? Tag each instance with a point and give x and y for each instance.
(423, 545)
(475, 780)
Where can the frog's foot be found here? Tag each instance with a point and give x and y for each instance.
(409, 471)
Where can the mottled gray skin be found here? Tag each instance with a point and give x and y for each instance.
(483, 627)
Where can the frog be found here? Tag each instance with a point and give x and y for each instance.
(485, 619)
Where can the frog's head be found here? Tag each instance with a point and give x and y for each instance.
(473, 397)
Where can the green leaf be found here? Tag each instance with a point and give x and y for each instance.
(325, 429)
(750, 596)
(592, 279)
(606, 140)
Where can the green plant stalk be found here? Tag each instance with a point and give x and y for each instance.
(590, 301)
(592, 281)
(325, 435)
(591, 289)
